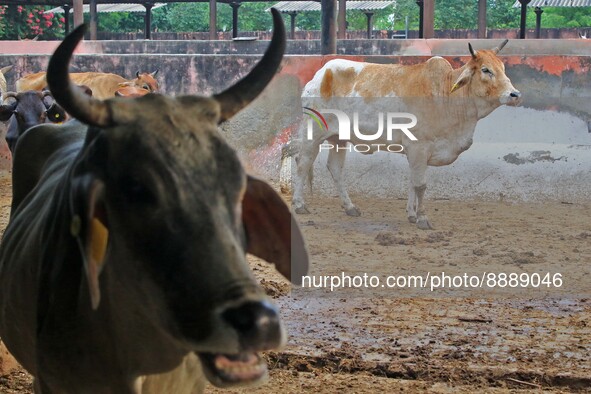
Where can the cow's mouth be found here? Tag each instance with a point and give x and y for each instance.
(224, 370)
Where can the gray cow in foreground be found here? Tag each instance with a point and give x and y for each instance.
(123, 267)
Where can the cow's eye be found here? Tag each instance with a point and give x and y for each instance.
(147, 87)
(486, 71)
(136, 192)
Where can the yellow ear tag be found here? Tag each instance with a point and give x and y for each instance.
(75, 225)
(453, 88)
(98, 242)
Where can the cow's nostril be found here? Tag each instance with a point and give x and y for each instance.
(515, 94)
(257, 324)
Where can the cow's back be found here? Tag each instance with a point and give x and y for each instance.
(346, 78)
(31, 82)
(22, 251)
(33, 150)
(103, 85)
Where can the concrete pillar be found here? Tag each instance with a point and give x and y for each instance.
(481, 18)
(429, 18)
(328, 41)
(342, 20)
(235, 7)
(213, 20)
(369, 16)
(538, 12)
(292, 17)
(66, 8)
(93, 19)
(421, 17)
(148, 21)
(524, 4)
(78, 13)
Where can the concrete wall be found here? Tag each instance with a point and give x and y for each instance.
(411, 47)
(538, 151)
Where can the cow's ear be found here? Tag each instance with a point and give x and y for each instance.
(272, 232)
(55, 113)
(6, 112)
(90, 229)
(89, 221)
(463, 79)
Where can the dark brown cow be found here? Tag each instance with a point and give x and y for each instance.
(27, 109)
(123, 267)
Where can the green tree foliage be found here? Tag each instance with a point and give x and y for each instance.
(501, 14)
(185, 17)
(456, 14)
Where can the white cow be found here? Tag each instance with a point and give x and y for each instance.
(447, 104)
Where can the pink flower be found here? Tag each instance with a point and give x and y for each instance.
(48, 23)
(30, 15)
(37, 20)
(62, 20)
(29, 21)
(19, 8)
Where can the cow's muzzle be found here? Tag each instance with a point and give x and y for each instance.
(514, 98)
(258, 328)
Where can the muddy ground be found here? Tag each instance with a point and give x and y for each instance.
(387, 340)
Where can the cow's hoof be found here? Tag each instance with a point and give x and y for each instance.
(353, 211)
(302, 210)
(424, 224)
(412, 219)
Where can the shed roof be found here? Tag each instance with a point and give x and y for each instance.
(556, 3)
(111, 8)
(299, 6)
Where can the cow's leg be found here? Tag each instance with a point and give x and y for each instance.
(417, 159)
(422, 221)
(411, 205)
(304, 163)
(335, 164)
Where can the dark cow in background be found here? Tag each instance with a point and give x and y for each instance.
(24, 110)
(123, 267)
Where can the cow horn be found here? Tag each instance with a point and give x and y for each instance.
(137, 74)
(501, 46)
(155, 72)
(72, 99)
(248, 88)
(472, 51)
(8, 95)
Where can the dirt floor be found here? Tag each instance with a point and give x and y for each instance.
(383, 340)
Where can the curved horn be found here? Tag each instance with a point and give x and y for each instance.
(72, 99)
(155, 72)
(472, 51)
(7, 95)
(501, 46)
(248, 88)
(137, 74)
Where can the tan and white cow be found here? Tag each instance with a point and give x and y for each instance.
(103, 85)
(447, 103)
